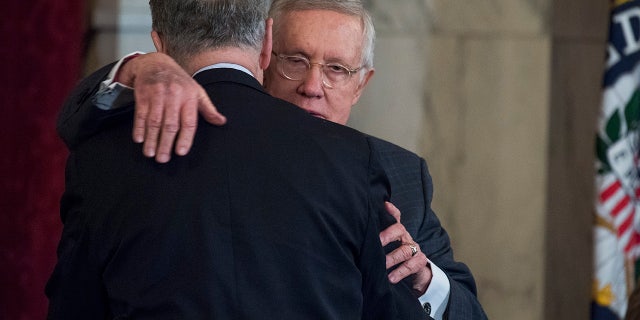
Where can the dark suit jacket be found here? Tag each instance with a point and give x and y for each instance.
(273, 216)
(412, 192)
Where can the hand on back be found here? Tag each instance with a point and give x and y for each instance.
(167, 104)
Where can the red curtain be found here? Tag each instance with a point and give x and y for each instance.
(41, 56)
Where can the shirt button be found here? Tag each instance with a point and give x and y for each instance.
(427, 307)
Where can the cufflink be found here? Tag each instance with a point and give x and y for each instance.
(427, 307)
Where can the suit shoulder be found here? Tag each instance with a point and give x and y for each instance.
(386, 150)
(77, 105)
(339, 133)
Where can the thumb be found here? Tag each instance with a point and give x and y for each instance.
(208, 111)
(392, 210)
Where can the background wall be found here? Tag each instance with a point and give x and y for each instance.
(42, 58)
(501, 98)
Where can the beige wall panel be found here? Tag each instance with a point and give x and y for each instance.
(392, 106)
(405, 16)
(443, 131)
(496, 156)
(490, 17)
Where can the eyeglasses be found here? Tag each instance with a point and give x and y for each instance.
(296, 68)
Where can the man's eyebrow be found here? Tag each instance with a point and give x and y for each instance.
(295, 52)
(331, 59)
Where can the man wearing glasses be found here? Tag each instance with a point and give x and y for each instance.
(322, 61)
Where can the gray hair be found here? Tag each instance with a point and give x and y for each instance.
(348, 7)
(188, 27)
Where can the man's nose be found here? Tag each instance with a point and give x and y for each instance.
(312, 82)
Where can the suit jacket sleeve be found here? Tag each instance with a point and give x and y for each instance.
(79, 117)
(434, 240)
(75, 289)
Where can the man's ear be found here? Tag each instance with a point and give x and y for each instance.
(157, 41)
(267, 45)
(363, 83)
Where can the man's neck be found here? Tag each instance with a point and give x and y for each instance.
(246, 58)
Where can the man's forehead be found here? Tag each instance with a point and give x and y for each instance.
(332, 34)
(302, 16)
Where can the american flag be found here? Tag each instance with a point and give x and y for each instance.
(617, 179)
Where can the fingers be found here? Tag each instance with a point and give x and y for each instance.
(208, 110)
(140, 119)
(392, 210)
(167, 133)
(171, 115)
(402, 254)
(167, 102)
(420, 273)
(188, 125)
(167, 105)
(395, 232)
(156, 121)
(189, 119)
(407, 264)
(408, 258)
(147, 120)
(143, 79)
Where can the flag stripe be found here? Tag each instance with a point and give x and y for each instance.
(633, 242)
(620, 206)
(610, 191)
(624, 227)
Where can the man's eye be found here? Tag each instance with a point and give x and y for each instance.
(336, 68)
(296, 61)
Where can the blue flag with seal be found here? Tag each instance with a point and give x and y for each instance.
(617, 201)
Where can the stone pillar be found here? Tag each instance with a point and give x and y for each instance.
(473, 100)
(393, 104)
(579, 36)
(487, 141)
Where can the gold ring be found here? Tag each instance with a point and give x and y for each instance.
(414, 249)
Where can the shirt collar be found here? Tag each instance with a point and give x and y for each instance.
(225, 65)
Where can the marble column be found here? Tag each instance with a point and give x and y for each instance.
(579, 33)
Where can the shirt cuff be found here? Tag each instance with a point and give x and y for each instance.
(111, 94)
(437, 294)
(112, 74)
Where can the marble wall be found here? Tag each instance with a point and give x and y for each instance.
(508, 93)
(500, 97)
